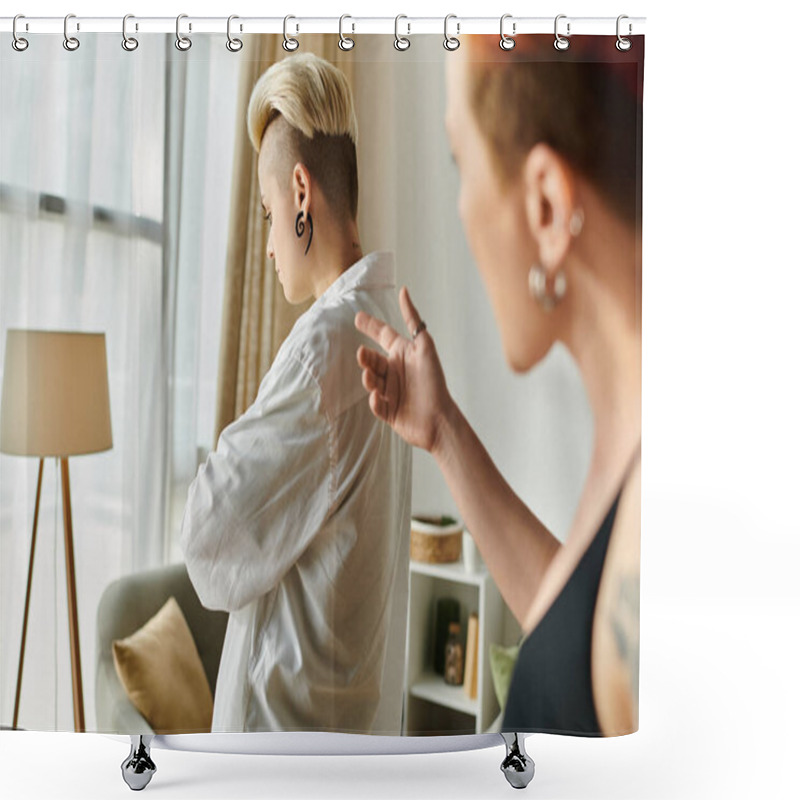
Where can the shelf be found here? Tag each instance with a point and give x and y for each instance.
(430, 704)
(451, 572)
(430, 686)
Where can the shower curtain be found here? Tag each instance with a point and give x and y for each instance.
(132, 205)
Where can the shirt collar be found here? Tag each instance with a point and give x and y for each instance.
(374, 271)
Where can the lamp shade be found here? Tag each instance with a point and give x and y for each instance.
(55, 394)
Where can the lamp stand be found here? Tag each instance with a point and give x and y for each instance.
(72, 603)
(72, 600)
(28, 594)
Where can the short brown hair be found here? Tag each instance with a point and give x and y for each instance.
(585, 103)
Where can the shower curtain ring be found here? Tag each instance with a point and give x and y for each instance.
(233, 45)
(128, 42)
(507, 42)
(451, 42)
(70, 42)
(623, 44)
(345, 42)
(401, 43)
(183, 43)
(290, 44)
(18, 42)
(561, 43)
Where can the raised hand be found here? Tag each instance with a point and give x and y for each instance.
(406, 382)
(407, 390)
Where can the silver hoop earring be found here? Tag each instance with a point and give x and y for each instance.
(547, 297)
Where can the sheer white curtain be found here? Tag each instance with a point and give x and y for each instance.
(200, 211)
(113, 214)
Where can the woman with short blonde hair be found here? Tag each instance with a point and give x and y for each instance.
(314, 100)
(305, 493)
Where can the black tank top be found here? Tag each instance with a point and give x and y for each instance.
(551, 686)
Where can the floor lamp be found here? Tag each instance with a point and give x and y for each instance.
(55, 403)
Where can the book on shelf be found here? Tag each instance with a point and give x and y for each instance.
(471, 658)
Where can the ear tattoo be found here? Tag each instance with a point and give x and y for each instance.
(300, 229)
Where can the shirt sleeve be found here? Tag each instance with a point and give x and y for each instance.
(262, 495)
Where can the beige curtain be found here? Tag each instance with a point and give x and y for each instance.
(256, 317)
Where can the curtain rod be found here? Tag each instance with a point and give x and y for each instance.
(349, 25)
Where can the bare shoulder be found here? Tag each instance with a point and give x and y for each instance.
(615, 641)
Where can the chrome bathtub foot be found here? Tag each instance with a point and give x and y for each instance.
(138, 768)
(517, 766)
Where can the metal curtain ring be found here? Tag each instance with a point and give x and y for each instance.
(18, 43)
(451, 42)
(290, 44)
(623, 45)
(401, 43)
(183, 43)
(70, 42)
(506, 42)
(233, 45)
(561, 43)
(345, 42)
(128, 42)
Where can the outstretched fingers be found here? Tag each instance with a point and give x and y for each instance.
(380, 333)
(409, 310)
(374, 368)
(370, 359)
(379, 406)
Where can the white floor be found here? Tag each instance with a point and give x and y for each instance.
(720, 701)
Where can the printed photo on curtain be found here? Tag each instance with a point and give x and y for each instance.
(321, 385)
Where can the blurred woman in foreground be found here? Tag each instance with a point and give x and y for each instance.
(549, 154)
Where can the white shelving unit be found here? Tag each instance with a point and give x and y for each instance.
(432, 706)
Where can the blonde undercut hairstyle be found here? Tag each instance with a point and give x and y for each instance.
(310, 103)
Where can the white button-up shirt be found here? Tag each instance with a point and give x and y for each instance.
(298, 525)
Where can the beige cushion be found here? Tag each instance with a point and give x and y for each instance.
(160, 668)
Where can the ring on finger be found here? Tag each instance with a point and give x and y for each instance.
(421, 327)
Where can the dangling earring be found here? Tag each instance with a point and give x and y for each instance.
(537, 284)
(537, 275)
(300, 229)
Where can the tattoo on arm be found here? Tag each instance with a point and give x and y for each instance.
(625, 626)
